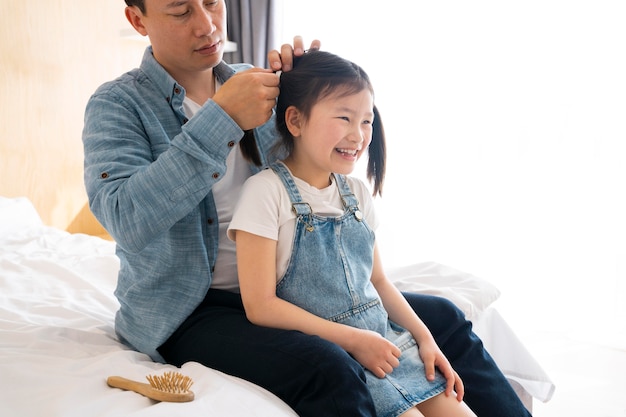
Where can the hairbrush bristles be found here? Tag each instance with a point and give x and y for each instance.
(173, 382)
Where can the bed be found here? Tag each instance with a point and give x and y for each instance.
(58, 345)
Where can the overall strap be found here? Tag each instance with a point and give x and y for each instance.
(349, 200)
(300, 208)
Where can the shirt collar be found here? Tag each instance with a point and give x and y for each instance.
(166, 83)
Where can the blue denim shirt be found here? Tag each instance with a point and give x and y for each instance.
(148, 173)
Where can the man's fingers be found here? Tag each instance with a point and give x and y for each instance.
(316, 44)
(286, 57)
(283, 59)
(298, 45)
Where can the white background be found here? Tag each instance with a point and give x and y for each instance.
(506, 126)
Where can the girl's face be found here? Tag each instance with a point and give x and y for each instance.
(333, 138)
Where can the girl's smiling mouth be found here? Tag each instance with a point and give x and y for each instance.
(348, 152)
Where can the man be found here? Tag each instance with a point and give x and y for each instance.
(164, 160)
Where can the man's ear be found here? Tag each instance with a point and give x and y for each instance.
(135, 17)
(293, 120)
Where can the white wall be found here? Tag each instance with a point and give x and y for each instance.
(506, 124)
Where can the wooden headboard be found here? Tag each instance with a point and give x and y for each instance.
(55, 53)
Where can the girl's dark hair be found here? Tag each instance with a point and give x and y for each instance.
(315, 75)
(249, 148)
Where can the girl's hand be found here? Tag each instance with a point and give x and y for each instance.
(375, 353)
(433, 358)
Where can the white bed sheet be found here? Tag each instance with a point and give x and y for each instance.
(58, 346)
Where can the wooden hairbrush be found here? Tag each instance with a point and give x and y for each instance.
(171, 386)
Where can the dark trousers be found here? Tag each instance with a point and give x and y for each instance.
(487, 392)
(316, 377)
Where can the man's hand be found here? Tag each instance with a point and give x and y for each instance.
(249, 97)
(283, 60)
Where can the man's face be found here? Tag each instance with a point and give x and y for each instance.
(186, 35)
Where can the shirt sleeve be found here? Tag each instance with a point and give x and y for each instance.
(139, 181)
(258, 208)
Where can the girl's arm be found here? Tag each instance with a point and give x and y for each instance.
(256, 264)
(401, 313)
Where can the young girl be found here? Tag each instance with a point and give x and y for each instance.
(306, 253)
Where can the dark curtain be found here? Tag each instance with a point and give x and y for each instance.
(255, 27)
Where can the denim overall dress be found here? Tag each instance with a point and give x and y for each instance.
(328, 275)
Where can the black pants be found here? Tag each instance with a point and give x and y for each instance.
(316, 377)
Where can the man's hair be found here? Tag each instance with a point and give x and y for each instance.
(139, 3)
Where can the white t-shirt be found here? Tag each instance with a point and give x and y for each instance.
(264, 209)
(225, 193)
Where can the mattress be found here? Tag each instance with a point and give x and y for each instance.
(58, 344)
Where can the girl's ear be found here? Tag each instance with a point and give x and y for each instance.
(293, 120)
(134, 16)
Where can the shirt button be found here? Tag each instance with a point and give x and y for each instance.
(177, 90)
(216, 175)
(104, 175)
(185, 120)
(231, 143)
(210, 221)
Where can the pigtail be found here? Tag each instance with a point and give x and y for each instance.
(377, 151)
(249, 149)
